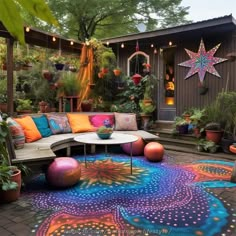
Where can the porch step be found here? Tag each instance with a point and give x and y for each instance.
(185, 143)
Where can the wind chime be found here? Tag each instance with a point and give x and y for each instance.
(136, 77)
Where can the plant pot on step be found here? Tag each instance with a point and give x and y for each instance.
(214, 135)
(183, 129)
(225, 144)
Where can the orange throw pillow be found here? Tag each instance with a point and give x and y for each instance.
(30, 129)
(79, 123)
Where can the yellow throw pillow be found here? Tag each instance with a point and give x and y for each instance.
(30, 129)
(79, 123)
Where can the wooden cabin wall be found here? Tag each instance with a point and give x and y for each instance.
(187, 90)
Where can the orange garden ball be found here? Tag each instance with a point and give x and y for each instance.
(154, 151)
(137, 147)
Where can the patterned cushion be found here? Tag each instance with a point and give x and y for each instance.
(125, 121)
(17, 133)
(58, 123)
(30, 129)
(98, 120)
(42, 125)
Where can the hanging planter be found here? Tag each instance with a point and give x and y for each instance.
(117, 72)
(59, 66)
(104, 70)
(136, 78)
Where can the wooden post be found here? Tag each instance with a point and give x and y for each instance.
(10, 68)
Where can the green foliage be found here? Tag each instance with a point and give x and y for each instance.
(103, 18)
(104, 130)
(12, 20)
(69, 84)
(24, 104)
(147, 108)
(207, 145)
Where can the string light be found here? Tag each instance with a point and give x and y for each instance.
(71, 43)
(170, 43)
(54, 39)
(122, 45)
(27, 29)
(107, 43)
(155, 51)
(152, 45)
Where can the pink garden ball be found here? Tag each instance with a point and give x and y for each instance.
(154, 151)
(63, 172)
(137, 147)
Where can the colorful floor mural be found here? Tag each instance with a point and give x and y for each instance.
(157, 199)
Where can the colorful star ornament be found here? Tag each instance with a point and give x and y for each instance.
(202, 62)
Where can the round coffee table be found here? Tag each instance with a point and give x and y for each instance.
(116, 138)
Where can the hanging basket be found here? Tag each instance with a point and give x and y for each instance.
(136, 78)
(117, 72)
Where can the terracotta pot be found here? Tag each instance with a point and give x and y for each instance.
(3, 107)
(116, 72)
(100, 75)
(214, 135)
(12, 195)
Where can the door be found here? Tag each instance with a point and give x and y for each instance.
(167, 109)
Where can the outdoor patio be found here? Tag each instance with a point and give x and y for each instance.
(22, 218)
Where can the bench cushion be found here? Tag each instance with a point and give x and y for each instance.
(30, 129)
(59, 123)
(125, 121)
(42, 125)
(79, 123)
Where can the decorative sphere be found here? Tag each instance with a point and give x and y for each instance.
(63, 172)
(137, 147)
(154, 151)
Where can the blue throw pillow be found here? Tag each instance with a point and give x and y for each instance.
(42, 125)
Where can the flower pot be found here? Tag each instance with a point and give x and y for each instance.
(136, 78)
(214, 135)
(59, 66)
(86, 106)
(225, 144)
(100, 75)
(183, 129)
(12, 195)
(117, 72)
(3, 107)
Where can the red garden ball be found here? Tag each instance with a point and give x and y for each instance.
(154, 151)
(137, 147)
(63, 172)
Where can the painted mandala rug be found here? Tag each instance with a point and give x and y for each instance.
(157, 199)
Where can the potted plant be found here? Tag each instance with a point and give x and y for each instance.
(117, 71)
(58, 61)
(197, 119)
(86, 105)
(207, 146)
(104, 132)
(68, 84)
(181, 125)
(146, 112)
(10, 176)
(24, 106)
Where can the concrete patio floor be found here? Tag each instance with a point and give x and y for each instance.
(18, 218)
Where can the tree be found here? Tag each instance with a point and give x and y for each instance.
(108, 18)
(13, 21)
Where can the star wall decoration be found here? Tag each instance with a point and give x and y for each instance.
(202, 62)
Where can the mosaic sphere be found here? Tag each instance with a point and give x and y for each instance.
(63, 172)
(154, 151)
(137, 147)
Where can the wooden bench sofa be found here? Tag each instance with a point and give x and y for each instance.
(43, 150)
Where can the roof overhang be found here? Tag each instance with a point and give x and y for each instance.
(207, 27)
(44, 39)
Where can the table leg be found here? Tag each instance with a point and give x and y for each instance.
(131, 158)
(85, 154)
